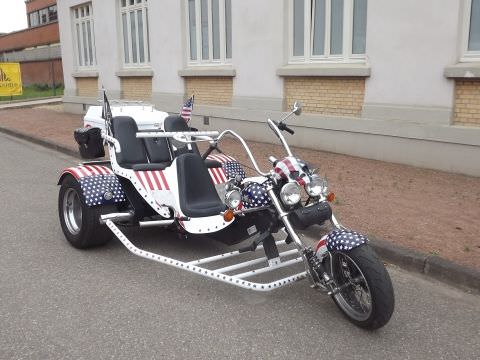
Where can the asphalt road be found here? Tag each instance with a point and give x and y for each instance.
(57, 302)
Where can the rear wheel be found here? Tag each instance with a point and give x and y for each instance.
(365, 292)
(80, 223)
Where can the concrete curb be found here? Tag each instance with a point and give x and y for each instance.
(435, 267)
(432, 266)
(28, 103)
(47, 143)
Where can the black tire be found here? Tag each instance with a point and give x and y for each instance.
(80, 223)
(360, 270)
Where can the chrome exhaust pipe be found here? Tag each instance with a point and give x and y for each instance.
(123, 216)
(156, 223)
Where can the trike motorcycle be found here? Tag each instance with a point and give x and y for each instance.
(158, 178)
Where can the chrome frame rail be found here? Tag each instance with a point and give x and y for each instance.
(219, 274)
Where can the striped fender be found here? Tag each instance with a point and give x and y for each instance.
(100, 186)
(81, 171)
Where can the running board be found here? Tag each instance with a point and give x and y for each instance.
(220, 274)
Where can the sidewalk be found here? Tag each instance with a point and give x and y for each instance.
(429, 221)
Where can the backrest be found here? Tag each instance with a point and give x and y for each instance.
(133, 150)
(158, 150)
(177, 123)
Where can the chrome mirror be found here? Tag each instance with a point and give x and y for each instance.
(297, 108)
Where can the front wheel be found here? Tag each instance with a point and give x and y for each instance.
(365, 291)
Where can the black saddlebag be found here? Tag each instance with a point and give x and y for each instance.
(90, 142)
(304, 217)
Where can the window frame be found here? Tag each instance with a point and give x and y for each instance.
(32, 14)
(52, 10)
(346, 56)
(222, 60)
(127, 10)
(467, 55)
(79, 48)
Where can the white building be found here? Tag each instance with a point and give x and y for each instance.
(384, 79)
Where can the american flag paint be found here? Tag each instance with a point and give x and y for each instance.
(152, 180)
(102, 190)
(292, 168)
(96, 181)
(230, 168)
(187, 109)
(81, 171)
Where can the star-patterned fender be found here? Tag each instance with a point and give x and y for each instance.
(344, 240)
(100, 186)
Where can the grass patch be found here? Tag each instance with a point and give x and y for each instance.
(35, 91)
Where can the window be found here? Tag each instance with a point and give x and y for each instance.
(134, 20)
(209, 31)
(43, 16)
(328, 30)
(34, 20)
(83, 32)
(52, 13)
(472, 31)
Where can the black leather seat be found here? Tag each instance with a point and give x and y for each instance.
(174, 123)
(133, 154)
(198, 197)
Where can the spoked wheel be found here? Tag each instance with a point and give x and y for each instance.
(80, 223)
(365, 291)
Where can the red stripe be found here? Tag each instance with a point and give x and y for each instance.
(214, 175)
(219, 175)
(164, 181)
(139, 178)
(92, 170)
(300, 181)
(289, 165)
(147, 176)
(320, 244)
(100, 169)
(81, 171)
(157, 180)
(223, 175)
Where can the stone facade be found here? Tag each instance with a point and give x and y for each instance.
(210, 90)
(136, 88)
(467, 102)
(326, 95)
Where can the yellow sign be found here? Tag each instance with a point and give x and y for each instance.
(10, 79)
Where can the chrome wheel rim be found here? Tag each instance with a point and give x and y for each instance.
(354, 295)
(72, 211)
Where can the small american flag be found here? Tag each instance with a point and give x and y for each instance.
(187, 108)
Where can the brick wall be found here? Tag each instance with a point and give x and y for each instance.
(87, 87)
(326, 95)
(40, 35)
(40, 72)
(210, 90)
(33, 5)
(136, 88)
(467, 102)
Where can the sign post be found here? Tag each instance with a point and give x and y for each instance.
(10, 79)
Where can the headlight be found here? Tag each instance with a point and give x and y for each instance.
(315, 186)
(290, 193)
(233, 199)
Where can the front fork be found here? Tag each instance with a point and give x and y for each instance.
(316, 271)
